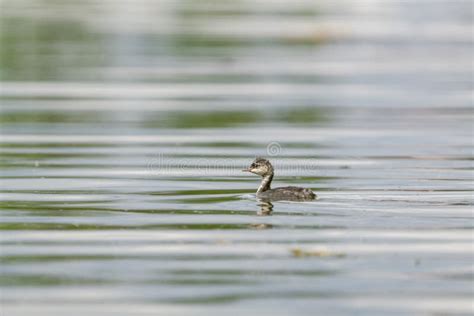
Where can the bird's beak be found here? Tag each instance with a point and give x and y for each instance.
(246, 170)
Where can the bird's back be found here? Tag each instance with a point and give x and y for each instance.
(288, 194)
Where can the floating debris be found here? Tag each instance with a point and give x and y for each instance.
(301, 253)
(261, 226)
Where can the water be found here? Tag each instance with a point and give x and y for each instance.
(124, 126)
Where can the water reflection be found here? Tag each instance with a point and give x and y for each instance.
(266, 208)
(385, 117)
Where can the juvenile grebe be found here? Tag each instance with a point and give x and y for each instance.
(264, 168)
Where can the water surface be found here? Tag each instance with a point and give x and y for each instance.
(124, 127)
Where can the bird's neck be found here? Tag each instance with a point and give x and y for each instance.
(266, 181)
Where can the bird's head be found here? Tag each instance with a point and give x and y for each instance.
(260, 166)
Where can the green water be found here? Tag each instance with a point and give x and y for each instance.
(125, 124)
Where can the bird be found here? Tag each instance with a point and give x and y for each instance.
(262, 167)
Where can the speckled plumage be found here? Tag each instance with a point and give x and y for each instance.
(264, 168)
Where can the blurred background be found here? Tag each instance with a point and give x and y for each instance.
(124, 125)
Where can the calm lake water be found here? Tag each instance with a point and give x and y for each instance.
(125, 124)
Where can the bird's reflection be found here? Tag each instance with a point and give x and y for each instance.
(266, 208)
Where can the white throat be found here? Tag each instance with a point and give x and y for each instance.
(265, 184)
